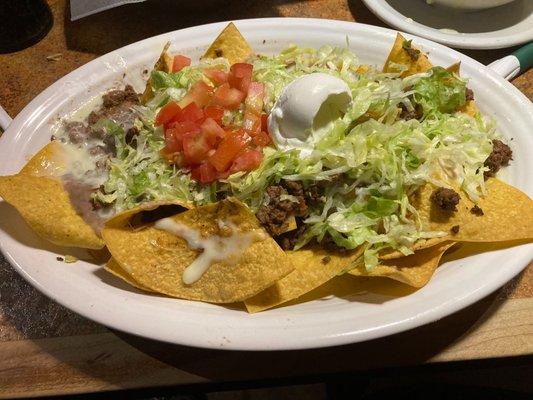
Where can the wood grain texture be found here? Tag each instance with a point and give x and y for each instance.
(102, 362)
(46, 349)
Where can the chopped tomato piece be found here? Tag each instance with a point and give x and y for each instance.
(200, 93)
(190, 113)
(247, 161)
(264, 122)
(217, 76)
(262, 139)
(253, 108)
(240, 76)
(205, 173)
(183, 127)
(230, 146)
(195, 148)
(212, 131)
(215, 112)
(167, 113)
(173, 142)
(228, 97)
(180, 62)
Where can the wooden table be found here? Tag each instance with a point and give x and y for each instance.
(47, 350)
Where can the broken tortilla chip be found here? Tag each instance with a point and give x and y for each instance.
(404, 53)
(414, 270)
(231, 45)
(113, 267)
(46, 207)
(313, 267)
(164, 64)
(49, 161)
(506, 215)
(157, 259)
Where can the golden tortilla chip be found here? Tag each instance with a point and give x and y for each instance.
(49, 161)
(469, 108)
(313, 268)
(46, 207)
(404, 53)
(455, 68)
(114, 268)
(507, 216)
(157, 259)
(164, 64)
(229, 44)
(414, 270)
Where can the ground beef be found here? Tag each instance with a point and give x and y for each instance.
(275, 214)
(288, 240)
(329, 244)
(77, 132)
(445, 199)
(477, 210)
(117, 106)
(469, 94)
(500, 156)
(117, 97)
(415, 113)
(455, 229)
(414, 54)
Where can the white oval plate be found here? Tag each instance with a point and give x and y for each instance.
(86, 289)
(494, 28)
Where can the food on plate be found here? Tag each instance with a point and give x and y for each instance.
(266, 179)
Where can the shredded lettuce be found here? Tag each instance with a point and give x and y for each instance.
(382, 158)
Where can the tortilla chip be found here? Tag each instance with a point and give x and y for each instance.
(313, 267)
(470, 108)
(419, 245)
(399, 55)
(114, 268)
(455, 68)
(229, 44)
(414, 270)
(49, 161)
(164, 64)
(156, 259)
(46, 207)
(507, 216)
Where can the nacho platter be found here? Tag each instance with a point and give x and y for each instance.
(318, 284)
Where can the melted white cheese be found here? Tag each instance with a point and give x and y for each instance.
(215, 248)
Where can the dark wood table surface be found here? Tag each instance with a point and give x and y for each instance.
(46, 349)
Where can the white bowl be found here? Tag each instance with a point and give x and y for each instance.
(470, 4)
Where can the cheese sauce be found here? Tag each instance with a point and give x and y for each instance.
(215, 248)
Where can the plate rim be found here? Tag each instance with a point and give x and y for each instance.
(324, 341)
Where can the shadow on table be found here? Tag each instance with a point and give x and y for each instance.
(109, 30)
(408, 348)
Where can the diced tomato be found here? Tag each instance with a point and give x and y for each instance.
(201, 93)
(264, 122)
(230, 146)
(195, 148)
(173, 142)
(205, 173)
(180, 62)
(240, 76)
(253, 108)
(212, 131)
(183, 127)
(228, 97)
(190, 113)
(167, 112)
(251, 123)
(217, 76)
(247, 161)
(262, 139)
(215, 112)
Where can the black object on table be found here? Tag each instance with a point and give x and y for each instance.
(23, 23)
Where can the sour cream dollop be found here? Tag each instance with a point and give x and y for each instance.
(305, 109)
